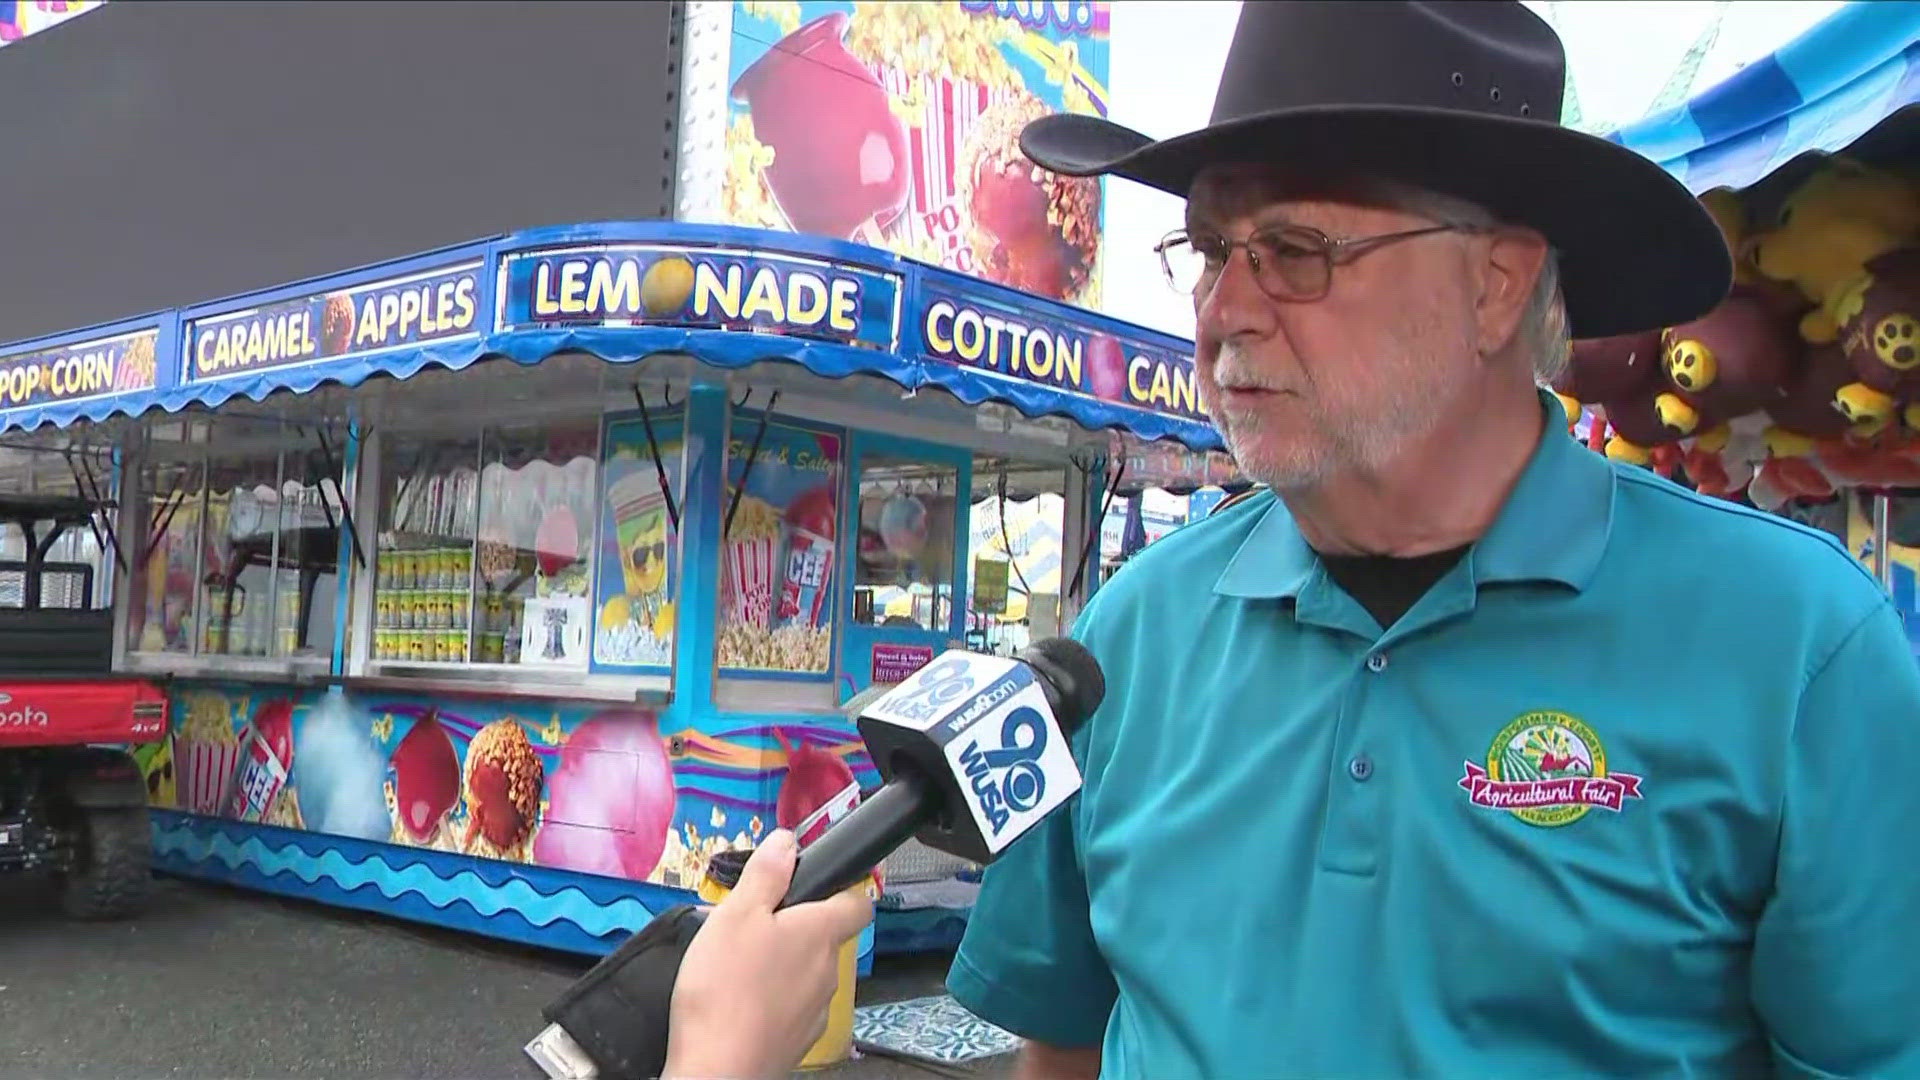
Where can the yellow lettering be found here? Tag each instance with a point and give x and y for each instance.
(967, 325)
(709, 291)
(844, 306)
(463, 304)
(940, 327)
(442, 318)
(573, 287)
(1136, 389)
(389, 315)
(1066, 358)
(366, 329)
(1186, 396)
(613, 291)
(806, 299)
(201, 346)
(1161, 393)
(543, 290)
(409, 310)
(763, 295)
(995, 327)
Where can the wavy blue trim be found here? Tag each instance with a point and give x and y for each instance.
(908, 368)
(531, 904)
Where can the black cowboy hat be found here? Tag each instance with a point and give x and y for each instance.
(1461, 98)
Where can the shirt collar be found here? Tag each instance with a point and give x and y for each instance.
(1553, 528)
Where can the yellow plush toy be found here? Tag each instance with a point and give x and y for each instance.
(1838, 220)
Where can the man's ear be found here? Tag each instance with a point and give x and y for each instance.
(1513, 262)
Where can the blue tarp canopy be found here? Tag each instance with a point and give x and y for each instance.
(1817, 94)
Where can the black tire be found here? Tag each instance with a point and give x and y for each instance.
(113, 867)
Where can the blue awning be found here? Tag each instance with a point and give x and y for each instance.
(1818, 93)
(622, 292)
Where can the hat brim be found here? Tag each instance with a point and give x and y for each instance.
(1637, 251)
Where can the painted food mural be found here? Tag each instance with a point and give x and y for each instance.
(562, 785)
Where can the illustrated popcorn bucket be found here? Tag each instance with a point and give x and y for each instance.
(748, 598)
(202, 769)
(973, 198)
(752, 551)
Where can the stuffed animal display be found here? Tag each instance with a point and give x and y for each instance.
(1805, 380)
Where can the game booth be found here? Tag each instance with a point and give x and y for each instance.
(1800, 394)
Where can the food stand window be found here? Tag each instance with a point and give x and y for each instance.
(485, 550)
(906, 548)
(242, 542)
(781, 518)
(1016, 551)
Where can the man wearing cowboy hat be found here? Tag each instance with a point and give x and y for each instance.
(1460, 751)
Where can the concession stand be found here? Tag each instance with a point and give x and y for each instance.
(1796, 395)
(502, 586)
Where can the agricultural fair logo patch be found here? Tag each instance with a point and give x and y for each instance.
(1547, 769)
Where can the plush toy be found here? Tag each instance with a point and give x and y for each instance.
(1880, 332)
(1735, 359)
(1810, 407)
(1610, 369)
(1837, 221)
(1782, 478)
(1731, 213)
(1646, 418)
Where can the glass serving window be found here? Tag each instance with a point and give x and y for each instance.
(905, 558)
(1017, 548)
(243, 542)
(486, 549)
(777, 552)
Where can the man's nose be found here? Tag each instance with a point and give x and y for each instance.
(1233, 302)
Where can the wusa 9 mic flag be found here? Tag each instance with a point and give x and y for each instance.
(989, 717)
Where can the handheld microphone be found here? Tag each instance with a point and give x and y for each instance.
(974, 752)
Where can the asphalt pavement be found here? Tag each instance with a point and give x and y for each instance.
(216, 982)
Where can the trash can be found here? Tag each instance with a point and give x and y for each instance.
(835, 1045)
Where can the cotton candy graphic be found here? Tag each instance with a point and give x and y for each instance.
(610, 803)
(339, 772)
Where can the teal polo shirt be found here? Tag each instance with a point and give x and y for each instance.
(1632, 791)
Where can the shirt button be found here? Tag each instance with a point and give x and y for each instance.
(1377, 662)
(1360, 767)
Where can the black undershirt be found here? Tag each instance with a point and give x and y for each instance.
(1387, 586)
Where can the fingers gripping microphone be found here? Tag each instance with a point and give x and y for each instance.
(974, 752)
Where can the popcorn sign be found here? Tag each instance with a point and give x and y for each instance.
(896, 125)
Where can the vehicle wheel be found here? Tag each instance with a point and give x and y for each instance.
(113, 866)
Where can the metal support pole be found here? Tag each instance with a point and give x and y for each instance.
(1882, 566)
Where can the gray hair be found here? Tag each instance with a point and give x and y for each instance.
(1543, 330)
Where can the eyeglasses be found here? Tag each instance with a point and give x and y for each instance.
(1290, 262)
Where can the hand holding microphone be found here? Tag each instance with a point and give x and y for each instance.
(974, 752)
(747, 942)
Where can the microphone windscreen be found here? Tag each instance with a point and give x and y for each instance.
(1075, 675)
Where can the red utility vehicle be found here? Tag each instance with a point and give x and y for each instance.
(72, 799)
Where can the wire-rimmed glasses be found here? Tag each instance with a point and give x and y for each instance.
(1290, 262)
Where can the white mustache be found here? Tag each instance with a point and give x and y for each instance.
(1231, 371)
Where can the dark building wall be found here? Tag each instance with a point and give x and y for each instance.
(161, 154)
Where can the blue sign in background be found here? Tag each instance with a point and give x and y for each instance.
(326, 326)
(674, 285)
